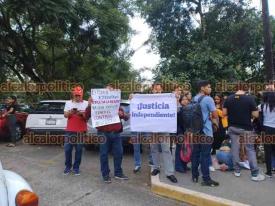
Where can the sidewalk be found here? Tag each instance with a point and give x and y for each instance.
(232, 190)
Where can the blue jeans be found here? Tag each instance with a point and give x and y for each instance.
(201, 156)
(113, 141)
(69, 144)
(225, 158)
(180, 166)
(136, 145)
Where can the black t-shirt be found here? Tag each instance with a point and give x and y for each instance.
(239, 109)
(8, 107)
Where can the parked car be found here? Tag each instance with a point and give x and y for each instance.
(48, 118)
(21, 117)
(15, 190)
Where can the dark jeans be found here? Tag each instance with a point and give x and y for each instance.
(269, 148)
(69, 144)
(112, 142)
(12, 127)
(200, 156)
(180, 166)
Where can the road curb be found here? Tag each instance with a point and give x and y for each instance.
(188, 196)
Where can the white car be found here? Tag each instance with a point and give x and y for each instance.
(15, 191)
(48, 117)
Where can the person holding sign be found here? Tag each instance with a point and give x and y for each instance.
(113, 141)
(165, 146)
(76, 128)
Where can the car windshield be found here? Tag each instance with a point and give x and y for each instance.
(49, 108)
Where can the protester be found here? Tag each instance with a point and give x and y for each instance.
(268, 111)
(165, 147)
(240, 108)
(76, 129)
(202, 148)
(177, 90)
(180, 166)
(136, 138)
(113, 142)
(219, 132)
(225, 158)
(188, 94)
(11, 106)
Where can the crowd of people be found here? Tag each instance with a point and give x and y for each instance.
(228, 131)
(227, 123)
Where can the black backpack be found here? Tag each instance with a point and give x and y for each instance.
(191, 117)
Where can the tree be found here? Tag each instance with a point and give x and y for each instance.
(79, 41)
(206, 39)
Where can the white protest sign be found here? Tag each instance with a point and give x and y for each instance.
(105, 106)
(153, 113)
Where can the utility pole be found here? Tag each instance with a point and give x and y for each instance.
(269, 68)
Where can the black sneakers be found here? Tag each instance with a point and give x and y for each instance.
(121, 177)
(210, 183)
(155, 172)
(195, 179)
(107, 179)
(172, 178)
(137, 169)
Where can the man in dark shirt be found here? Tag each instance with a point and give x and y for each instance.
(240, 109)
(11, 108)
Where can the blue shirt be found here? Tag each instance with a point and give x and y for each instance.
(207, 106)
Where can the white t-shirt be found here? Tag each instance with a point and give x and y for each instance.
(81, 106)
(269, 117)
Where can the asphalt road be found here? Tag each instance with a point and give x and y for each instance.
(42, 166)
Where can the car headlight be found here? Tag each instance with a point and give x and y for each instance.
(26, 198)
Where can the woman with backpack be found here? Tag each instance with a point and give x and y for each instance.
(268, 122)
(180, 165)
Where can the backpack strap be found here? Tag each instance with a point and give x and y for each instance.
(201, 98)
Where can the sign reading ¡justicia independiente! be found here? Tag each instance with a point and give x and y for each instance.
(153, 113)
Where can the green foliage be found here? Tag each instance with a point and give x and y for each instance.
(206, 39)
(80, 41)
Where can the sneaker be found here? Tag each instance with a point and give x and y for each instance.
(137, 169)
(67, 171)
(151, 164)
(155, 172)
(107, 179)
(269, 175)
(210, 183)
(237, 174)
(121, 177)
(195, 179)
(76, 172)
(212, 169)
(172, 178)
(258, 178)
